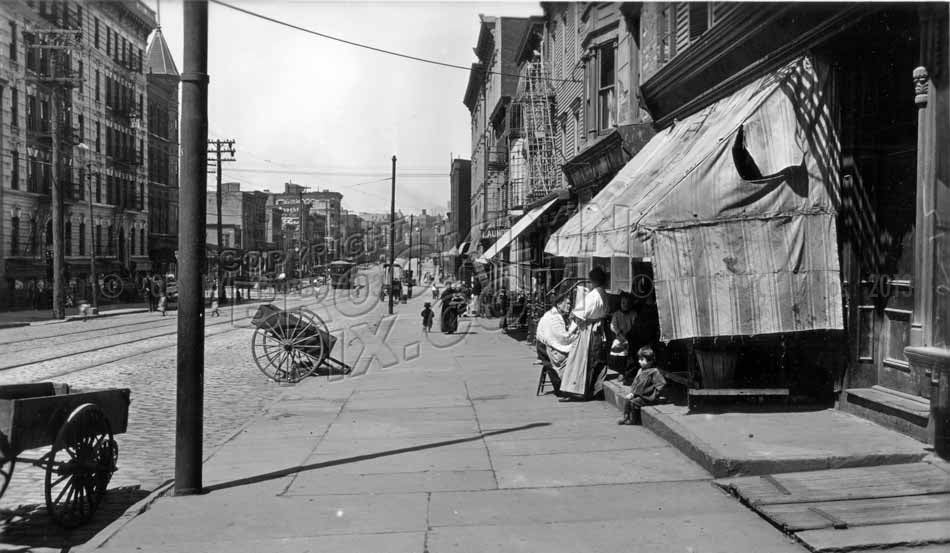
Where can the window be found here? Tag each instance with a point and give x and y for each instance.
(667, 30)
(95, 34)
(108, 41)
(699, 14)
(15, 170)
(68, 238)
(110, 241)
(14, 108)
(138, 63)
(97, 85)
(602, 75)
(82, 238)
(15, 236)
(13, 37)
(131, 241)
(98, 189)
(82, 77)
(79, 16)
(98, 137)
(82, 127)
(97, 243)
(142, 247)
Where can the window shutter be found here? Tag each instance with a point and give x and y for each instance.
(682, 26)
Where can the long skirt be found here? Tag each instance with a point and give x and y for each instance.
(450, 320)
(584, 371)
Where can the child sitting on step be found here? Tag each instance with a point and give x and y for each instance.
(646, 387)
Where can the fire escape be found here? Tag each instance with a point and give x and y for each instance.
(535, 98)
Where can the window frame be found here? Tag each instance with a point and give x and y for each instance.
(15, 171)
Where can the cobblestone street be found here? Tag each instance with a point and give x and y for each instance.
(137, 351)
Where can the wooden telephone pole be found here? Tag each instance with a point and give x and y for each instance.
(219, 147)
(57, 76)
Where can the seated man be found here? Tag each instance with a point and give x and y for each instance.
(552, 334)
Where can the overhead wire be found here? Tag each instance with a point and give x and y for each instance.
(373, 48)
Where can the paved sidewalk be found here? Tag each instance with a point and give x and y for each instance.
(449, 450)
(26, 317)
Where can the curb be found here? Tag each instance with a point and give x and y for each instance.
(128, 516)
(162, 490)
(12, 325)
(722, 466)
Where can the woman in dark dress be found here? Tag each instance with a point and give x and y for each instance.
(450, 309)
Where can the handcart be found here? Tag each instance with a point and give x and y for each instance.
(289, 346)
(80, 429)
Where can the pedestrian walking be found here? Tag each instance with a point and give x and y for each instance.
(147, 292)
(162, 304)
(214, 302)
(427, 316)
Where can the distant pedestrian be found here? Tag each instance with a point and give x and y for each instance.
(162, 304)
(214, 306)
(427, 316)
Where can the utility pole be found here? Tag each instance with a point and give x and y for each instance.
(220, 147)
(191, 244)
(304, 214)
(409, 264)
(59, 42)
(392, 237)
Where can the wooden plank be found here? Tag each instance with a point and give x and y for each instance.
(739, 392)
(681, 377)
(37, 420)
(19, 391)
(842, 484)
(881, 536)
(795, 517)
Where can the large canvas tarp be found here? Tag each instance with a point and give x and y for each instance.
(736, 206)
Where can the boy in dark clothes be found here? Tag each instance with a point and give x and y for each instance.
(427, 316)
(646, 387)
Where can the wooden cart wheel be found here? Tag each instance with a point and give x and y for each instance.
(288, 345)
(79, 466)
(7, 462)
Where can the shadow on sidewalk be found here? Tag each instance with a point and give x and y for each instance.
(366, 457)
(28, 527)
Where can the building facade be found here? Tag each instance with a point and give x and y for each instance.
(162, 118)
(491, 86)
(84, 62)
(243, 218)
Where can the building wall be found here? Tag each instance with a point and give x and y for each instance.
(129, 23)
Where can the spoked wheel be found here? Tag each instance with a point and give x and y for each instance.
(7, 462)
(79, 466)
(289, 346)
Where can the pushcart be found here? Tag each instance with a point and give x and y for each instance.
(289, 346)
(80, 430)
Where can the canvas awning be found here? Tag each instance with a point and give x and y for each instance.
(736, 206)
(509, 235)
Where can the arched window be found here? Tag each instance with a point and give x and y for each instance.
(82, 238)
(15, 236)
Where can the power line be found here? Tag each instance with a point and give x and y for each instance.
(373, 48)
(334, 173)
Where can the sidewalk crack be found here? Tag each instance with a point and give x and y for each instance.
(478, 424)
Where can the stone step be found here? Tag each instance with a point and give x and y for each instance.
(906, 414)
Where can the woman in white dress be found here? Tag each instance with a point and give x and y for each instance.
(583, 375)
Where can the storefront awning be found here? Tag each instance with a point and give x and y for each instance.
(509, 235)
(736, 206)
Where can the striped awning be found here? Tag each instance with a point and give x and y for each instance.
(509, 235)
(736, 206)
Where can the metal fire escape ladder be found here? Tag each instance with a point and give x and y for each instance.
(536, 99)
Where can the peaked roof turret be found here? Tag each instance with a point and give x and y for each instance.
(159, 57)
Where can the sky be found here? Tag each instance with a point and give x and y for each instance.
(328, 115)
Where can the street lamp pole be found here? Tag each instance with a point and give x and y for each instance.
(392, 237)
(94, 281)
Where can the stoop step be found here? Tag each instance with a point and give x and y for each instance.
(907, 414)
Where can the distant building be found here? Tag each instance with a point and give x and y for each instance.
(162, 113)
(243, 218)
(325, 232)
